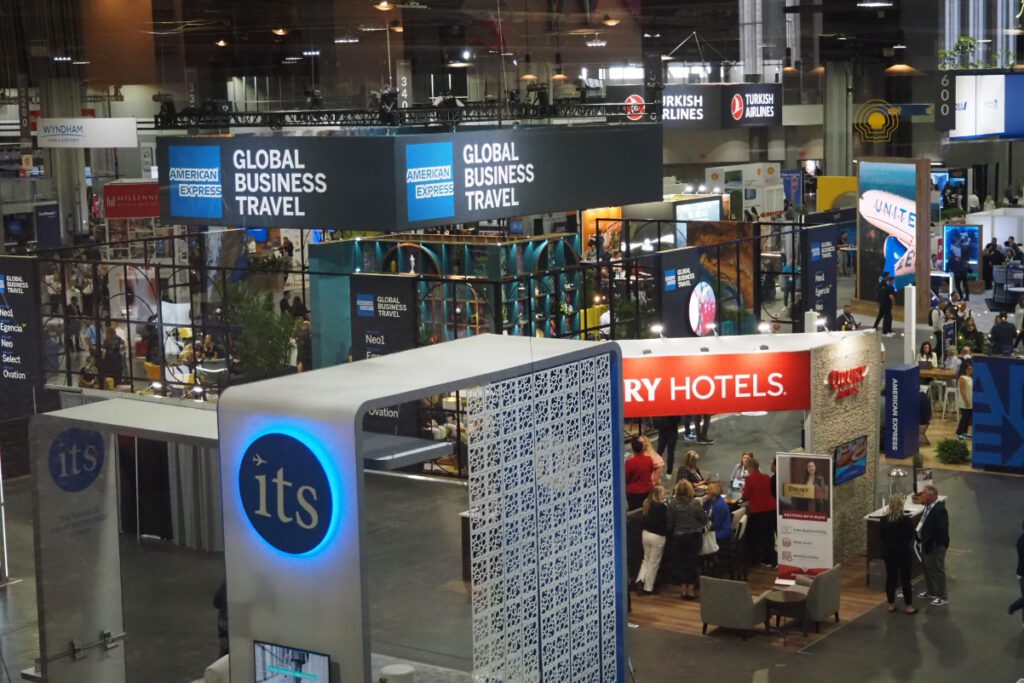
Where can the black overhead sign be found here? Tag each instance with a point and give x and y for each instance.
(706, 106)
(397, 182)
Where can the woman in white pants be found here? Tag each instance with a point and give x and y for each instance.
(655, 527)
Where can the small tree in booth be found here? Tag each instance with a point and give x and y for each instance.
(260, 335)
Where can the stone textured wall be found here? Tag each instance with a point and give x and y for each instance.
(835, 421)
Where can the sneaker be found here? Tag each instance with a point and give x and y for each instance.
(939, 602)
(962, 437)
(925, 595)
(706, 441)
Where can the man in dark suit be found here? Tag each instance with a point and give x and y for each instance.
(1003, 334)
(933, 541)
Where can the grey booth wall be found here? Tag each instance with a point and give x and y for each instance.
(833, 422)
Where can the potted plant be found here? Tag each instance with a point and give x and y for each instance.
(953, 452)
(261, 336)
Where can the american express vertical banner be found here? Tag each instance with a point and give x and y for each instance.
(901, 436)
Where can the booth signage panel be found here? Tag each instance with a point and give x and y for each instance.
(76, 527)
(87, 133)
(131, 200)
(680, 270)
(716, 383)
(394, 183)
(20, 336)
(819, 274)
(804, 491)
(705, 106)
(793, 186)
(902, 411)
(998, 413)
(474, 176)
(751, 104)
(47, 224)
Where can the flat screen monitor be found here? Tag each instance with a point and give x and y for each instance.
(281, 664)
(851, 459)
(258, 234)
(961, 244)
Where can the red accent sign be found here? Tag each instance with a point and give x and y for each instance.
(845, 383)
(131, 200)
(737, 107)
(712, 384)
(635, 107)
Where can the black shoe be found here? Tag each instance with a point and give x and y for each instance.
(706, 441)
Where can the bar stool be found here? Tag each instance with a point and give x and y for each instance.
(950, 394)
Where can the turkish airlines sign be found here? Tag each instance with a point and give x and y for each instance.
(710, 384)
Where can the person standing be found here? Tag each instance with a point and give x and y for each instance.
(686, 522)
(1003, 334)
(655, 515)
(965, 399)
(760, 499)
(668, 436)
(960, 277)
(897, 530)
(886, 300)
(1018, 604)
(658, 474)
(639, 468)
(933, 537)
(701, 425)
(720, 517)
(111, 363)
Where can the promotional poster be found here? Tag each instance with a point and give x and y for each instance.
(819, 274)
(998, 413)
(901, 436)
(804, 492)
(20, 337)
(680, 274)
(731, 269)
(893, 226)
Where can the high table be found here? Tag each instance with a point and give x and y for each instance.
(937, 373)
(874, 532)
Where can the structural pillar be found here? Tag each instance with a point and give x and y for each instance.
(62, 97)
(838, 119)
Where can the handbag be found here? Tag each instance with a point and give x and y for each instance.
(709, 544)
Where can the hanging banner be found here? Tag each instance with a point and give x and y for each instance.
(131, 200)
(384, 320)
(20, 336)
(901, 434)
(394, 183)
(793, 186)
(87, 133)
(998, 413)
(818, 274)
(47, 222)
(704, 106)
(707, 384)
(24, 116)
(680, 274)
(804, 492)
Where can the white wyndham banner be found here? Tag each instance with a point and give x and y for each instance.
(88, 133)
(804, 492)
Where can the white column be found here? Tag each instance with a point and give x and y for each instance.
(910, 325)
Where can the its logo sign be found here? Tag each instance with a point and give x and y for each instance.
(737, 107)
(76, 459)
(286, 494)
(635, 107)
(844, 383)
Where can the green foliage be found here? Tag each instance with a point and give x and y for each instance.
(953, 452)
(271, 263)
(952, 212)
(633, 320)
(262, 344)
(964, 53)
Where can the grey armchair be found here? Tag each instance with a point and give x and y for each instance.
(729, 604)
(822, 593)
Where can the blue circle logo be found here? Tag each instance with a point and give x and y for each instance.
(285, 493)
(76, 459)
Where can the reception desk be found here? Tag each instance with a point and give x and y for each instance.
(874, 532)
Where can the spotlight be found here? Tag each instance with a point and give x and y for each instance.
(384, 6)
(764, 328)
(396, 26)
(610, 21)
(311, 53)
(221, 43)
(658, 328)
(279, 31)
(466, 54)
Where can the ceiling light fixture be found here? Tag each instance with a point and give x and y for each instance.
(610, 21)
(384, 6)
(396, 26)
(80, 62)
(528, 74)
(221, 43)
(346, 40)
(596, 42)
(874, 4)
(279, 31)
(311, 53)
(61, 58)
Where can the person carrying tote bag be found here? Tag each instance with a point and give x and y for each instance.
(686, 522)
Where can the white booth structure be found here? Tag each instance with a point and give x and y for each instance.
(546, 515)
(999, 223)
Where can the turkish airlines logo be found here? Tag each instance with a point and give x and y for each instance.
(635, 107)
(737, 107)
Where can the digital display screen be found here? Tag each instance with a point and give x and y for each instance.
(705, 210)
(280, 664)
(258, 234)
(961, 245)
(851, 459)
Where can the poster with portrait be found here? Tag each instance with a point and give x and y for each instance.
(893, 225)
(730, 264)
(804, 492)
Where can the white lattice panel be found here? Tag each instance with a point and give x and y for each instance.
(543, 505)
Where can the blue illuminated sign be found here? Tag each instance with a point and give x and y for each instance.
(430, 181)
(286, 493)
(670, 280)
(365, 307)
(3, 284)
(76, 459)
(194, 174)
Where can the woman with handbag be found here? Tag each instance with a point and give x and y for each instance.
(686, 522)
(720, 518)
(655, 522)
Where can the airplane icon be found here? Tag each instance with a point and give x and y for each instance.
(258, 460)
